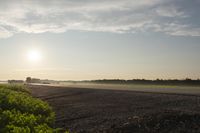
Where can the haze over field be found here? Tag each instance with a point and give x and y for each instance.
(91, 39)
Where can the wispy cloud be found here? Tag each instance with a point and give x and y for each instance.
(119, 16)
(169, 11)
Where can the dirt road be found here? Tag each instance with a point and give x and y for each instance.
(104, 110)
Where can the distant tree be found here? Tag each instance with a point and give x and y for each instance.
(157, 79)
(188, 79)
(28, 80)
(9, 81)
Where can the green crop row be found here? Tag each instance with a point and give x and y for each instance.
(21, 113)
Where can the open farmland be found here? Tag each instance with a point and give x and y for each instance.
(82, 109)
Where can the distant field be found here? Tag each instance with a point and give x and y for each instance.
(191, 90)
(3, 82)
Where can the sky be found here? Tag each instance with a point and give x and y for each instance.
(92, 39)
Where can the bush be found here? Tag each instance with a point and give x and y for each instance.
(21, 113)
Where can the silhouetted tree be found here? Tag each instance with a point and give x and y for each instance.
(28, 80)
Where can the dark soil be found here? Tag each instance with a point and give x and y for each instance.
(84, 110)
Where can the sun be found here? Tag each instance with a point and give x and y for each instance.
(34, 56)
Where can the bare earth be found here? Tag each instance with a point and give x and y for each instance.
(84, 110)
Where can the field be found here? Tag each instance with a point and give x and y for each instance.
(87, 109)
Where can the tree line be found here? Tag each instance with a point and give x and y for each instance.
(186, 81)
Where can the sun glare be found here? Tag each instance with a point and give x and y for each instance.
(34, 56)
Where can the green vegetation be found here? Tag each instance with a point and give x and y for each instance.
(21, 113)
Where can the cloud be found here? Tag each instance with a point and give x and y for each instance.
(180, 30)
(169, 11)
(117, 16)
(4, 33)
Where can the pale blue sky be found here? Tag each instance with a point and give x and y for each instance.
(94, 40)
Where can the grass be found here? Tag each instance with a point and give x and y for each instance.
(21, 113)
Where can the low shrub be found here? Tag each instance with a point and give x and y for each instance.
(21, 113)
